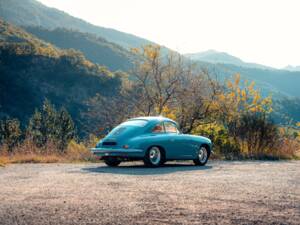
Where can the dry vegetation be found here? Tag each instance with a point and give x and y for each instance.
(28, 152)
(233, 114)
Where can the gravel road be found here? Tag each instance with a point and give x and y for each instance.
(178, 193)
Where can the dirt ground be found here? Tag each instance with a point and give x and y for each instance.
(178, 193)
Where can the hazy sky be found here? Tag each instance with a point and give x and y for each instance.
(261, 31)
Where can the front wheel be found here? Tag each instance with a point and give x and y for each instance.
(154, 157)
(112, 162)
(202, 156)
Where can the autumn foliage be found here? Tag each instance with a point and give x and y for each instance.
(233, 113)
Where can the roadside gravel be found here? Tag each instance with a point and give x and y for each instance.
(179, 193)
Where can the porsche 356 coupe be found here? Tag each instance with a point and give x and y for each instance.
(153, 140)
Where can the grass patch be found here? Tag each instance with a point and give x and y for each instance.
(34, 158)
(29, 153)
(43, 158)
(3, 161)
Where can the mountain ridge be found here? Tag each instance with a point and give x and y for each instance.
(34, 13)
(291, 68)
(279, 83)
(213, 56)
(96, 49)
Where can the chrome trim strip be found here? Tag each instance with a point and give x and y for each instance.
(119, 150)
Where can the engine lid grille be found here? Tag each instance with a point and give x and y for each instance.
(109, 143)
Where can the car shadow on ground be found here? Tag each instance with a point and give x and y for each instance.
(142, 170)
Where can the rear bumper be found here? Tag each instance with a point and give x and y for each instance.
(122, 153)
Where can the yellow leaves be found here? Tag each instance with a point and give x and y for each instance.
(216, 105)
(151, 51)
(237, 79)
(237, 100)
(298, 124)
(251, 86)
(256, 97)
(231, 95)
(87, 63)
(216, 131)
(266, 105)
(229, 84)
(244, 97)
(252, 109)
(222, 97)
(167, 112)
(135, 51)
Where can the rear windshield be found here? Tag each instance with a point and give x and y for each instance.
(137, 123)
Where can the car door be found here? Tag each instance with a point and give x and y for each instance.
(157, 136)
(177, 143)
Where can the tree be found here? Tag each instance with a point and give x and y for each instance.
(34, 129)
(172, 86)
(42, 125)
(48, 125)
(154, 79)
(233, 101)
(10, 132)
(50, 122)
(106, 112)
(256, 133)
(66, 129)
(244, 114)
(194, 98)
(159, 84)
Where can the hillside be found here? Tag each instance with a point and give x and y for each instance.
(284, 82)
(33, 13)
(282, 85)
(110, 48)
(213, 56)
(279, 83)
(96, 49)
(292, 68)
(32, 70)
(104, 52)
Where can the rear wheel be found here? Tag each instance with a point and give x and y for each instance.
(112, 162)
(202, 156)
(154, 157)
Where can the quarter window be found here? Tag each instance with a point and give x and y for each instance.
(159, 128)
(171, 127)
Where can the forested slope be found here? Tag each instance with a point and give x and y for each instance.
(32, 70)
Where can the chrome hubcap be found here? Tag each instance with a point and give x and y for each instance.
(202, 154)
(154, 155)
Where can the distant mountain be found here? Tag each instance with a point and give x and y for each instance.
(213, 56)
(32, 70)
(292, 68)
(278, 83)
(96, 49)
(99, 45)
(33, 13)
(282, 85)
(269, 80)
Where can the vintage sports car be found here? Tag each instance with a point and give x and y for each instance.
(154, 140)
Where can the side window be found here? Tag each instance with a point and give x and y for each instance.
(159, 128)
(171, 127)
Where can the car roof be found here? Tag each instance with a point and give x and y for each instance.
(153, 118)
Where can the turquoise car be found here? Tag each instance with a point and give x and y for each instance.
(154, 140)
